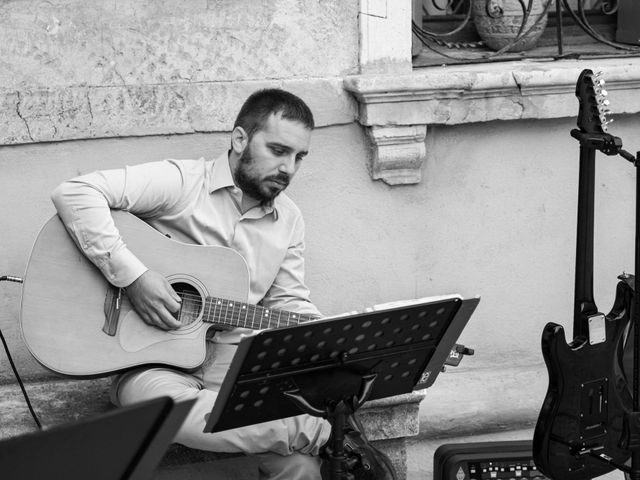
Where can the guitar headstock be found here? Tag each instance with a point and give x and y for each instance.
(592, 117)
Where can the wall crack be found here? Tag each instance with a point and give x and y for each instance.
(24, 120)
(89, 105)
(518, 99)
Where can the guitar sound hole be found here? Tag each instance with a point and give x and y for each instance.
(191, 303)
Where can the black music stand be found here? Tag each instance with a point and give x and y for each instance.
(124, 444)
(329, 368)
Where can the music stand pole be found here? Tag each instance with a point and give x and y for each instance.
(336, 412)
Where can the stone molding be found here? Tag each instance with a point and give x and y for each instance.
(390, 105)
(398, 154)
(32, 115)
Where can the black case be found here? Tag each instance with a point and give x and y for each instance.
(456, 461)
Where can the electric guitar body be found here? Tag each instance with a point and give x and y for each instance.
(580, 428)
(587, 398)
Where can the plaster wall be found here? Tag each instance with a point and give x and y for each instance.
(494, 216)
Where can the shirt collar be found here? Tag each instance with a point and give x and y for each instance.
(221, 174)
(222, 178)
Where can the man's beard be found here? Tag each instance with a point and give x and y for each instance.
(253, 186)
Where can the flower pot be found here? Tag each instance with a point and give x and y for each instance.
(498, 23)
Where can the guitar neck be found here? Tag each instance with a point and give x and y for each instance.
(584, 305)
(238, 314)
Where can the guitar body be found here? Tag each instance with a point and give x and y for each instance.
(64, 294)
(586, 400)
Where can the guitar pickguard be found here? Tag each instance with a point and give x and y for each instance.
(594, 402)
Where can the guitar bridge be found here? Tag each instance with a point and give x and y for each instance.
(597, 329)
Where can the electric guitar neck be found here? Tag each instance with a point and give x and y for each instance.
(592, 124)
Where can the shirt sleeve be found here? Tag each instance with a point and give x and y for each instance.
(84, 205)
(289, 291)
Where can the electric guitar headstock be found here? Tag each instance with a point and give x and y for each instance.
(592, 116)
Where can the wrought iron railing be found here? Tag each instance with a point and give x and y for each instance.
(457, 18)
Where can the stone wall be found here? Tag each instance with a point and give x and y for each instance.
(72, 69)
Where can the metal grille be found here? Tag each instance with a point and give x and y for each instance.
(450, 30)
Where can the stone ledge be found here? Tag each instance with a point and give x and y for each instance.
(388, 422)
(55, 403)
(452, 95)
(470, 401)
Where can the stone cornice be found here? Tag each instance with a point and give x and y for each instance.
(428, 94)
(452, 95)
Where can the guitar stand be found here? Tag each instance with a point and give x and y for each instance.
(632, 419)
(611, 145)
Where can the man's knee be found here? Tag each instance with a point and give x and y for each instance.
(148, 383)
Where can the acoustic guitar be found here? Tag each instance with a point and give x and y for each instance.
(75, 323)
(579, 432)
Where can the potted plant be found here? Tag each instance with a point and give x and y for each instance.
(510, 25)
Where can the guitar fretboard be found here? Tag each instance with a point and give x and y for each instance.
(239, 314)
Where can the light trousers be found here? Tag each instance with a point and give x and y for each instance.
(286, 448)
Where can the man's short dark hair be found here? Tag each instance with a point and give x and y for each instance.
(262, 104)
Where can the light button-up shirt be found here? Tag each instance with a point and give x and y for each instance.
(192, 201)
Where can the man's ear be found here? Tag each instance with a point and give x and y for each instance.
(239, 140)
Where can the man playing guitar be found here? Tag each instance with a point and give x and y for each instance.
(235, 202)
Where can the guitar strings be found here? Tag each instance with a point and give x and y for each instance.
(190, 310)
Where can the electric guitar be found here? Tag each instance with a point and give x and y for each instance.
(75, 323)
(580, 426)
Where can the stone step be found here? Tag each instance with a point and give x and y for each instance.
(388, 422)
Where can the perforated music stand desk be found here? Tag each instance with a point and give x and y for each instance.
(127, 443)
(404, 346)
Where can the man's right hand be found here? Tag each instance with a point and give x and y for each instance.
(154, 299)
